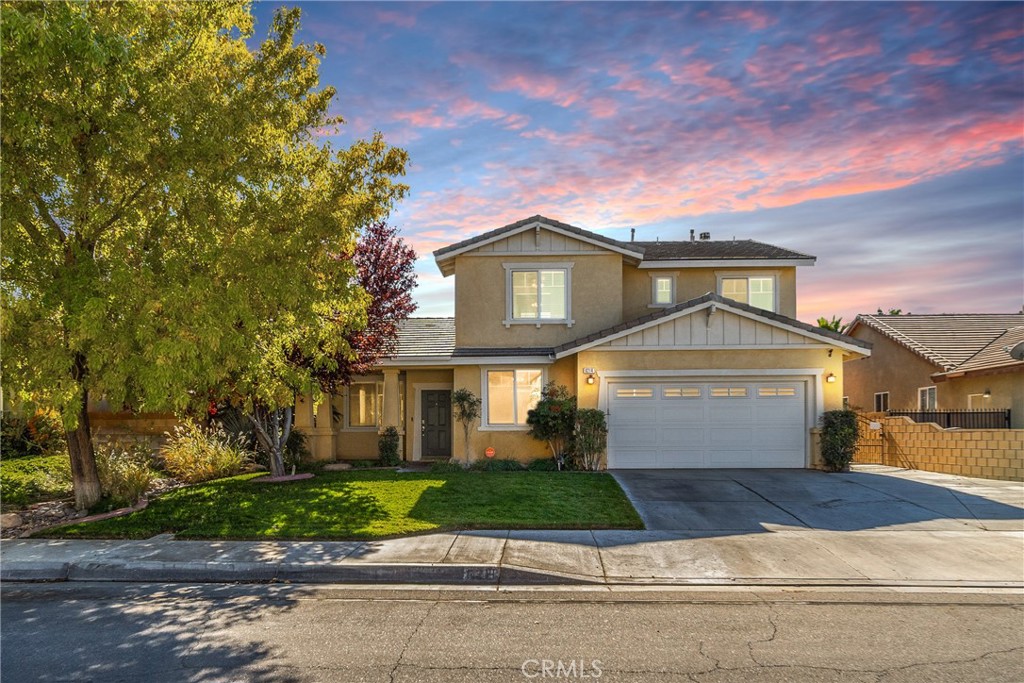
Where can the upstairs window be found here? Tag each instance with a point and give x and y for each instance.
(756, 291)
(663, 290)
(538, 294)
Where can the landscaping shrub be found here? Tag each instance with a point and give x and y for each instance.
(552, 420)
(28, 479)
(40, 434)
(497, 465)
(838, 438)
(589, 438)
(194, 453)
(466, 409)
(387, 448)
(124, 472)
(542, 465)
(445, 467)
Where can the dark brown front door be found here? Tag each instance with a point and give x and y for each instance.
(436, 430)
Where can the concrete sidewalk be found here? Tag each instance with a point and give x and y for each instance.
(768, 557)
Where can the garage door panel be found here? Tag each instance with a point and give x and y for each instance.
(632, 436)
(673, 424)
(681, 413)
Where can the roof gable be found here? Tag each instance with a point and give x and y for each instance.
(996, 355)
(548, 236)
(724, 324)
(947, 340)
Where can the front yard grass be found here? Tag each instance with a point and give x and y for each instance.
(361, 505)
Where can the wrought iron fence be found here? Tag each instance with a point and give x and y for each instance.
(964, 419)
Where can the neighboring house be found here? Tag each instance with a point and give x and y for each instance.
(691, 348)
(938, 362)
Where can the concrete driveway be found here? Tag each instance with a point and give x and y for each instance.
(868, 498)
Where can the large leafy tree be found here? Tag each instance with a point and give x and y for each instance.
(171, 219)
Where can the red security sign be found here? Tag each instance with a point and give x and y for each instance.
(489, 452)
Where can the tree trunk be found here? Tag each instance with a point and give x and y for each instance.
(272, 430)
(83, 460)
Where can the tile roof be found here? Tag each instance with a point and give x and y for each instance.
(710, 297)
(708, 249)
(425, 338)
(996, 354)
(947, 340)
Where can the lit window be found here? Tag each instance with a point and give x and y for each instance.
(729, 392)
(680, 392)
(511, 394)
(365, 404)
(926, 398)
(539, 294)
(663, 294)
(634, 393)
(776, 391)
(756, 291)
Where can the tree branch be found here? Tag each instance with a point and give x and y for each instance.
(33, 233)
(44, 213)
(119, 211)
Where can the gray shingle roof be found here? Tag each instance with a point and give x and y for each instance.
(707, 249)
(476, 352)
(651, 251)
(710, 296)
(535, 219)
(947, 340)
(426, 338)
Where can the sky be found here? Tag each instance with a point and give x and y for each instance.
(887, 139)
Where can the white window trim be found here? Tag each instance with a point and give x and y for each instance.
(925, 390)
(347, 426)
(728, 275)
(485, 426)
(654, 290)
(874, 404)
(537, 322)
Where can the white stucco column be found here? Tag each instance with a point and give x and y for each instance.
(391, 416)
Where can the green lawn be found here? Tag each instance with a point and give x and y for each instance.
(32, 478)
(375, 504)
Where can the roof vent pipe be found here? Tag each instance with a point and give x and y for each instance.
(705, 236)
(632, 234)
(692, 237)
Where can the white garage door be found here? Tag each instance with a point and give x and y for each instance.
(706, 424)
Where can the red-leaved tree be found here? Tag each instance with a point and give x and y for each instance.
(385, 266)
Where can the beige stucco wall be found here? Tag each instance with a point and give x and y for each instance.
(891, 368)
(514, 444)
(694, 282)
(1007, 392)
(480, 306)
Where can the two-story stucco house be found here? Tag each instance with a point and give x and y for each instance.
(691, 348)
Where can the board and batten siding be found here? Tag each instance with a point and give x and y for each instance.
(720, 329)
(532, 242)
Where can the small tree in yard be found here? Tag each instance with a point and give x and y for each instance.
(589, 438)
(552, 420)
(466, 408)
(174, 229)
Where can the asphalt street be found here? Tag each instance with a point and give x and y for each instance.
(221, 632)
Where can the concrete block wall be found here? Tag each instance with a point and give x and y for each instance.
(984, 453)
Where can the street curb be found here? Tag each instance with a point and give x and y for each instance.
(35, 571)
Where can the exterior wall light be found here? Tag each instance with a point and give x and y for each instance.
(830, 378)
(987, 394)
(590, 379)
